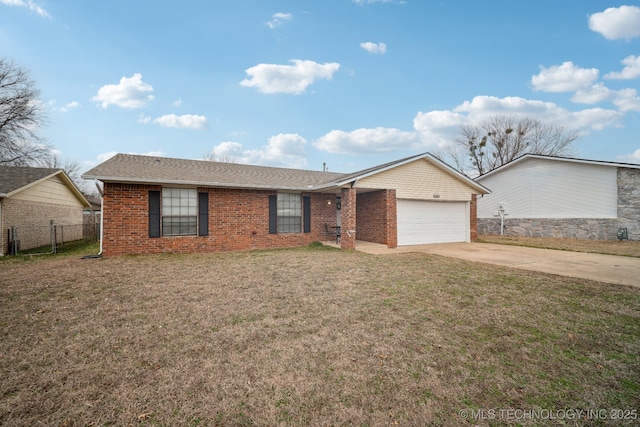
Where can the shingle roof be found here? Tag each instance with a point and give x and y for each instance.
(162, 170)
(130, 168)
(13, 178)
(527, 156)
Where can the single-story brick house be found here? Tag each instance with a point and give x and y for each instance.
(550, 196)
(156, 205)
(31, 199)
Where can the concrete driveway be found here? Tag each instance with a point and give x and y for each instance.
(602, 268)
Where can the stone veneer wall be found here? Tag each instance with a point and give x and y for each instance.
(580, 228)
(629, 201)
(574, 228)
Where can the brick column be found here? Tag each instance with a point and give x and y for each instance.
(392, 219)
(348, 219)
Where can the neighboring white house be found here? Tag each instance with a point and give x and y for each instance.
(548, 196)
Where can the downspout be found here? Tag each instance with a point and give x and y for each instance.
(99, 254)
(502, 212)
(101, 217)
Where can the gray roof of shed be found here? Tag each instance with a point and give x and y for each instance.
(13, 178)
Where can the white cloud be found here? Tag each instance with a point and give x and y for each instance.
(28, 4)
(564, 78)
(593, 95)
(278, 19)
(617, 22)
(292, 79)
(630, 71)
(131, 92)
(378, 48)
(378, 140)
(282, 150)
(481, 107)
(70, 106)
(177, 102)
(144, 119)
(592, 118)
(437, 129)
(631, 157)
(627, 100)
(185, 121)
(65, 108)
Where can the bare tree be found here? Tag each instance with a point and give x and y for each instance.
(211, 157)
(72, 168)
(498, 140)
(20, 116)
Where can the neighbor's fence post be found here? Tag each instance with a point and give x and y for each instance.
(53, 237)
(13, 249)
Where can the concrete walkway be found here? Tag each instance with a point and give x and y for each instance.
(602, 268)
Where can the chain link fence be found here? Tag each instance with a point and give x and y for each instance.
(49, 239)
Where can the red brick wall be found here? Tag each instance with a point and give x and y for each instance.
(238, 220)
(392, 219)
(377, 217)
(348, 219)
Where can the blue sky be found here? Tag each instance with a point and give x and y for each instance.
(299, 83)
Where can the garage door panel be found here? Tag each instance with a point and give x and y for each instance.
(422, 222)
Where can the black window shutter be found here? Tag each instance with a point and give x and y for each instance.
(273, 214)
(203, 214)
(154, 214)
(306, 213)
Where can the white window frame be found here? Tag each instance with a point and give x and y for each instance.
(179, 211)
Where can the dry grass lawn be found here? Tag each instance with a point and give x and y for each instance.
(311, 336)
(610, 247)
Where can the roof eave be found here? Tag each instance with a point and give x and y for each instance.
(31, 184)
(74, 188)
(439, 163)
(526, 156)
(65, 178)
(124, 180)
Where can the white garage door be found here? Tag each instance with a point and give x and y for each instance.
(421, 222)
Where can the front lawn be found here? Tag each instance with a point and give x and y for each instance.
(312, 336)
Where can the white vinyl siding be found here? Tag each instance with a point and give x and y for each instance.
(423, 222)
(542, 188)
